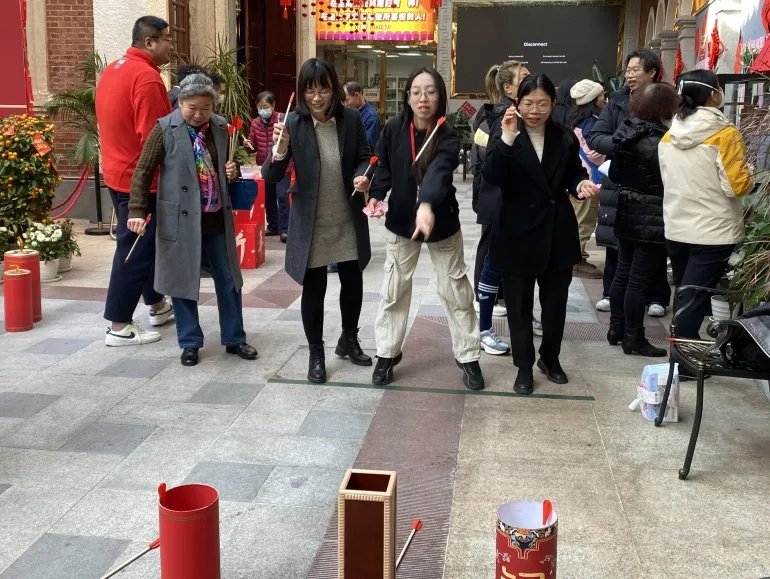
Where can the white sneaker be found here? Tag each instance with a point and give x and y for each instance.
(132, 335)
(158, 318)
(499, 311)
(537, 328)
(656, 310)
(492, 344)
(603, 305)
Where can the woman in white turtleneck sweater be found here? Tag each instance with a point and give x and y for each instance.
(535, 238)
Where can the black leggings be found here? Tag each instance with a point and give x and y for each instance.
(314, 292)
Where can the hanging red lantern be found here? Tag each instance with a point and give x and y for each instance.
(435, 3)
(679, 64)
(285, 14)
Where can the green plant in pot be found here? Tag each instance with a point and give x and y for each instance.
(47, 240)
(5, 245)
(70, 247)
(610, 83)
(460, 123)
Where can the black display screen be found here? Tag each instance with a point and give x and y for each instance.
(560, 41)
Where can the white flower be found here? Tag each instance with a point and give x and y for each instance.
(40, 237)
(3, 230)
(56, 234)
(25, 235)
(34, 244)
(39, 226)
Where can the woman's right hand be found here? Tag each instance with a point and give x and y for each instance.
(136, 225)
(283, 145)
(511, 120)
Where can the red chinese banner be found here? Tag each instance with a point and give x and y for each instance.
(404, 20)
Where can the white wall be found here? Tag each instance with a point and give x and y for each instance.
(114, 20)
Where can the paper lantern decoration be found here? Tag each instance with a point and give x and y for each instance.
(679, 65)
(716, 47)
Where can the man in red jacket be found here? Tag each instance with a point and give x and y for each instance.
(130, 98)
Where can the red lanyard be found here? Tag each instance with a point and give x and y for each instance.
(414, 150)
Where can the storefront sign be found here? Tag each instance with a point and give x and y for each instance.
(403, 20)
(372, 94)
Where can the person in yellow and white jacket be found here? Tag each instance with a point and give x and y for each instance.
(704, 170)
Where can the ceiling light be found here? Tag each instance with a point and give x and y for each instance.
(391, 55)
(403, 46)
(410, 54)
(364, 46)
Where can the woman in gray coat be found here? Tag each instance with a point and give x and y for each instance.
(194, 216)
(326, 222)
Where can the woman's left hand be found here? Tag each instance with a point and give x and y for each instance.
(587, 189)
(231, 169)
(361, 183)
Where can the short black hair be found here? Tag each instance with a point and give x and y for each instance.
(536, 81)
(266, 95)
(187, 70)
(650, 61)
(352, 87)
(216, 79)
(695, 88)
(147, 27)
(316, 72)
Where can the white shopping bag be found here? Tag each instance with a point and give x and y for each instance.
(649, 394)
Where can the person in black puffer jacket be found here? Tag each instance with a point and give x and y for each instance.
(639, 219)
(642, 68)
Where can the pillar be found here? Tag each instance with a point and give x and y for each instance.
(37, 51)
(686, 27)
(669, 42)
(306, 47)
(655, 45)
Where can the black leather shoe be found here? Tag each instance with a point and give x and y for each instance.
(190, 357)
(472, 376)
(524, 382)
(553, 371)
(243, 351)
(635, 342)
(383, 371)
(316, 367)
(348, 347)
(615, 334)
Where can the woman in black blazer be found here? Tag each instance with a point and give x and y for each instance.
(326, 222)
(535, 235)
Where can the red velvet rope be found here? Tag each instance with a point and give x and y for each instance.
(76, 193)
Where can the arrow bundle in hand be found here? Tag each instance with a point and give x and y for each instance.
(232, 131)
(372, 162)
(288, 109)
(440, 122)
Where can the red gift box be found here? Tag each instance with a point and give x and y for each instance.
(250, 244)
(257, 213)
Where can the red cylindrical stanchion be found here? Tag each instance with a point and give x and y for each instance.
(189, 532)
(17, 300)
(30, 260)
(526, 547)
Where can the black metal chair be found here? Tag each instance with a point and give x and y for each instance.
(703, 358)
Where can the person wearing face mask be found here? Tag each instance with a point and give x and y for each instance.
(422, 208)
(704, 171)
(536, 163)
(642, 68)
(639, 221)
(260, 142)
(194, 216)
(326, 220)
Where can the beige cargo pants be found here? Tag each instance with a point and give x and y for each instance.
(587, 213)
(454, 290)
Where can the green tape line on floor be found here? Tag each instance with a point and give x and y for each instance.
(396, 388)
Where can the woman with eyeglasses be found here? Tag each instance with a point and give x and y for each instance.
(536, 163)
(704, 170)
(422, 208)
(327, 141)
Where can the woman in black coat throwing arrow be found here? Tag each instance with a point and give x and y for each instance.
(535, 238)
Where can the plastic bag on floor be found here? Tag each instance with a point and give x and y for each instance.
(649, 394)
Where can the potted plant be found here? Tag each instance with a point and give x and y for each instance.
(460, 123)
(28, 179)
(70, 247)
(46, 239)
(610, 83)
(4, 246)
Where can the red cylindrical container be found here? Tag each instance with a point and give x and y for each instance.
(189, 533)
(525, 546)
(30, 260)
(17, 300)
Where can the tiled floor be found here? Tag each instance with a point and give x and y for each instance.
(87, 433)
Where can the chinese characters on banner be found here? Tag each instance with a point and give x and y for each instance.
(405, 20)
(468, 108)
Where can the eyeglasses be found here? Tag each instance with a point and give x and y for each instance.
(324, 93)
(633, 71)
(167, 38)
(528, 107)
(429, 93)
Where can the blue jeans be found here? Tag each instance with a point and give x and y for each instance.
(188, 329)
(277, 196)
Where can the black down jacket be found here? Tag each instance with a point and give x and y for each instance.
(635, 170)
(600, 140)
(488, 194)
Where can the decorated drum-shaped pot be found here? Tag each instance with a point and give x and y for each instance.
(526, 549)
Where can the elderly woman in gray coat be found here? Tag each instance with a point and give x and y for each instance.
(194, 217)
(326, 224)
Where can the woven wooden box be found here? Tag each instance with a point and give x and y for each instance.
(366, 525)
